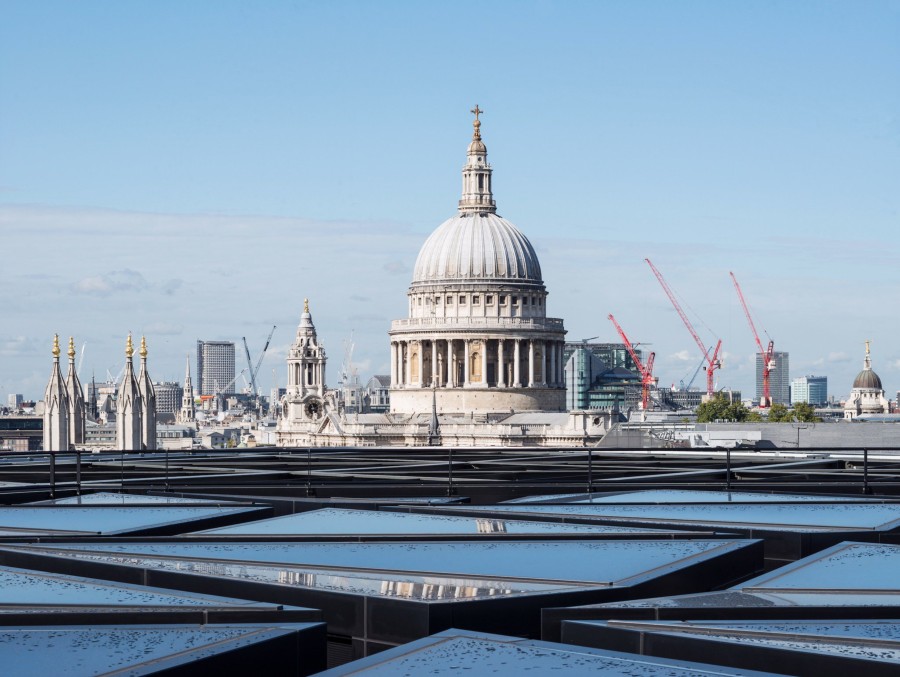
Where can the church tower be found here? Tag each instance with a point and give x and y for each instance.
(148, 402)
(477, 197)
(187, 413)
(304, 402)
(129, 407)
(56, 408)
(306, 361)
(76, 400)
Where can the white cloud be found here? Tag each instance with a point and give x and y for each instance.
(14, 346)
(115, 281)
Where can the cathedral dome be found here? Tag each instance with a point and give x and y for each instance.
(867, 379)
(477, 247)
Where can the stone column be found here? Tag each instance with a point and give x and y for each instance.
(393, 363)
(553, 346)
(501, 371)
(421, 354)
(544, 362)
(408, 378)
(451, 376)
(531, 363)
(517, 382)
(466, 365)
(560, 364)
(434, 363)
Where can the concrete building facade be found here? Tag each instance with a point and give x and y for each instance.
(215, 367)
(779, 378)
(810, 389)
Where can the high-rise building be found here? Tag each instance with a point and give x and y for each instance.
(810, 389)
(168, 396)
(779, 378)
(215, 367)
(600, 376)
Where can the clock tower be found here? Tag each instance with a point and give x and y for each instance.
(304, 401)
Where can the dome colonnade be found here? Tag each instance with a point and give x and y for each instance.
(477, 331)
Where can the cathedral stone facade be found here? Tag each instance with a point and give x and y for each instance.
(476, 362)
(477, 332)
(867, 395)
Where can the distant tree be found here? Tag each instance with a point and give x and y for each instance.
(778, 413)
(805, 413)
(718, 408)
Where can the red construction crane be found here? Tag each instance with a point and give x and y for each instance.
(712, 362)
(767, 355)
(646, 370)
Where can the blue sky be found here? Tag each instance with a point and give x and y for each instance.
(195, 169)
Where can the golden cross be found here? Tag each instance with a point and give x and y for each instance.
(476, 112)
(867, 346)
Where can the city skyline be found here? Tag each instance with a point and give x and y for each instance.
(231, 161)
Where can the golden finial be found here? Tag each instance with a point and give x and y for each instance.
(71, 352)
(129, 348)
(477, 123)
(55, 345)
(143, 352)
(305, 305)
(867, 346)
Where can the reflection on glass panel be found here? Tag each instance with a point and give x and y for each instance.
(110, 498)
(332, 521)
(19, 586)
(578, 561)
(512, 657)
(856, 566)
(100, 519)
(793, 516)
(687, 496)
(101, 650)
(366, 583)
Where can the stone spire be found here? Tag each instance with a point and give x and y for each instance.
(187, 413)
(476, 191)
(148, 402)
(92, 400)
(306, 360)
(129, 407)
(56, 407)
(76, 400)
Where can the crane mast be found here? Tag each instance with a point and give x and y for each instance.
(250, 365)
(712, 362)
(646, 370)
(262, 355)
(767, 354)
